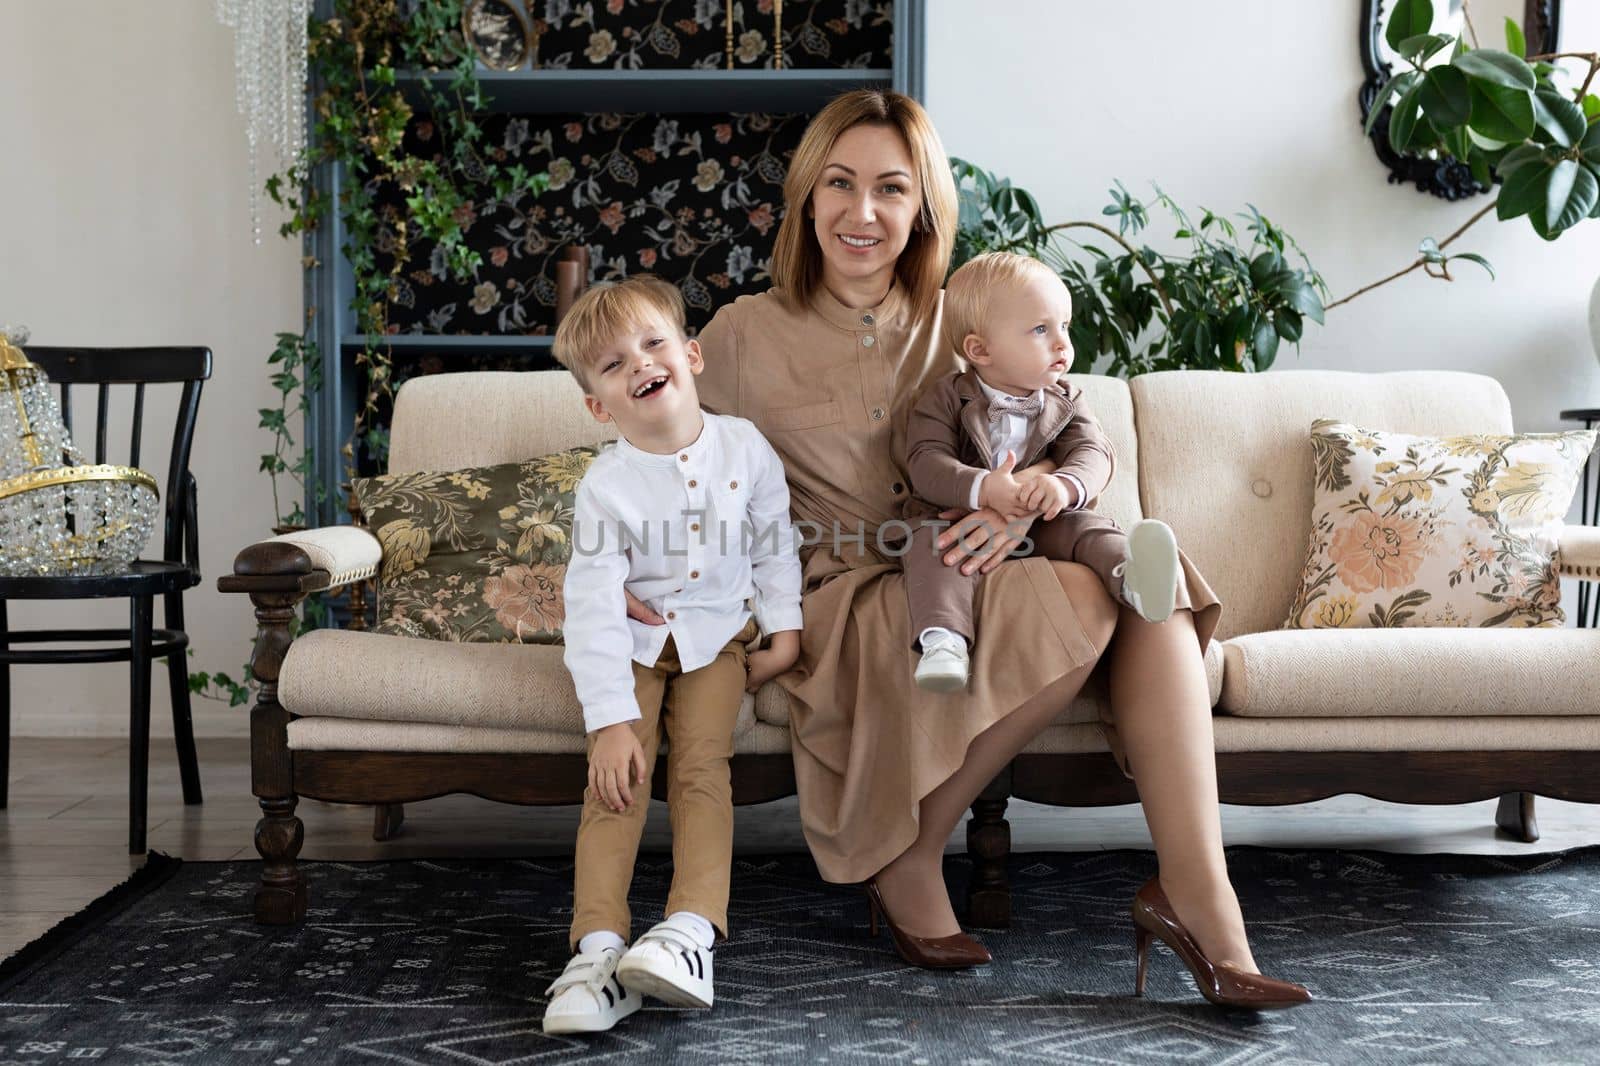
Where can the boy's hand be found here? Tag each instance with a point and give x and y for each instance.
(1052, 495)
(1001, 491)
(616, 751)
(781, 652)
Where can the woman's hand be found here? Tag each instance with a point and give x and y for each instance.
(616, 751)
(981, 540)
(781, 652)
(640, 613)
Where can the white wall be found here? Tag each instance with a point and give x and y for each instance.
(1255, 101)
(124, 218)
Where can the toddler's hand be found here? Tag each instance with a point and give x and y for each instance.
(616, 751)
(782, 652)
(1052, 495)
(1001, 491)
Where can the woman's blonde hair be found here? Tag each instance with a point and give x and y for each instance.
(606, 311)
(797, 258)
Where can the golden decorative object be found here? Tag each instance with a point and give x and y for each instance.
(59, 514)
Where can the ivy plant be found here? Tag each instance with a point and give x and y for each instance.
(360, 115)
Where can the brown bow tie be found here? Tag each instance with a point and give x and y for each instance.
(1000, 406)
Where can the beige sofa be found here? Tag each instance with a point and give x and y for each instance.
(1415, 715)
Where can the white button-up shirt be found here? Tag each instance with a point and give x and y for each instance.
(1008, 435)
(695, 535)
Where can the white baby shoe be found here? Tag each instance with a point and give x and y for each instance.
(587, 997)
(1150, 576)
(668, 963)
(944, 664)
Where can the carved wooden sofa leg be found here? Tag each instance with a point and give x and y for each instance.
(1514, 817)
(988, 847)
(277, 576)
(387, 819)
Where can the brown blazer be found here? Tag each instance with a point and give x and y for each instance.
(947, 443)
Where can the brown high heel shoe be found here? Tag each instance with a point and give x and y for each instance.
(1221, 984)
(956, 952)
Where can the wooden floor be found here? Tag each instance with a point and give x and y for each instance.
(63, 838)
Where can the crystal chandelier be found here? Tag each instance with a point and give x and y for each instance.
(59, 515)
(269, 54)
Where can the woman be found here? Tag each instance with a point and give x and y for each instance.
(827, 365)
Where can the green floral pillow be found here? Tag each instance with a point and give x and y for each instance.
(1436, 531)
(477, 554)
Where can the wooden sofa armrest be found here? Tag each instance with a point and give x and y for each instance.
(307, 561)
(277, 575)
(1580, 552)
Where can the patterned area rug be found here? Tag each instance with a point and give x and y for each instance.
(1413, 959)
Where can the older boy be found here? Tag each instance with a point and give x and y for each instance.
(688, 512)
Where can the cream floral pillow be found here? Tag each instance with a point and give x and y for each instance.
(1436, 531)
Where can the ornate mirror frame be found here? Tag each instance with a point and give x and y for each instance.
(1446, 176)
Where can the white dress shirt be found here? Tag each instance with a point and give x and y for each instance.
(1008, 436)
(695, 535)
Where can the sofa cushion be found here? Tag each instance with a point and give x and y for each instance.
(1225, 460)
(1486, 733)
(1322, 673)
(1436, 531)
(335, 673)
(477, 554)
(772, 704)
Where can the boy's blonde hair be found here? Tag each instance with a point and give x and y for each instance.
(596, 318)
(968, 293)
(797, 259)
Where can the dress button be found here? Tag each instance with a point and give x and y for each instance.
(1261, 487)
(683, 458)
(693, 574)
(877, 414)
(733, 484)
(867, 320)
(672, 614)
(694, 527)
(693, 483)
(868, 341)
(897, 488)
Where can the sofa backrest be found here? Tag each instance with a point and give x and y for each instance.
(1225, 459)
(1112, 404)
(481, 418)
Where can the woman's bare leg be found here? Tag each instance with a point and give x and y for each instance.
(913, 884)
(1162, 708)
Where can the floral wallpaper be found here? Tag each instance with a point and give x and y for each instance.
(693, 198)
(647, 34)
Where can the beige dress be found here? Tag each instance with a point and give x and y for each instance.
(832, 389)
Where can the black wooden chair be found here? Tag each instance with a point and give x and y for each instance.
(177, 570)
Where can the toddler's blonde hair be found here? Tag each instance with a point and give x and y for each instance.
(971, 289)
(604, 311)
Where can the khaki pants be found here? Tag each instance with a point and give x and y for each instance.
(697, 710)
(940, 595)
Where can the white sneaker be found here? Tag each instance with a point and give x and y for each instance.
(668, 963)
(944, 664)
(1150, 576)
(587, 997)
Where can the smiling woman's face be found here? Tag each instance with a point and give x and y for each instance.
(864, 205)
